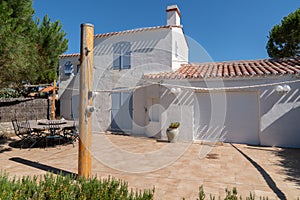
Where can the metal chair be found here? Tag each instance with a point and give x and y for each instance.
(71, 133)
(23, 131)
(54, 133)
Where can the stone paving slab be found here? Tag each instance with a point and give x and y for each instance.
(176, 170)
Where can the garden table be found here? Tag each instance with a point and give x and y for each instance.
(53, 129)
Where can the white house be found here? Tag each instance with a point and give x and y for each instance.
(253, 102)
(143, 82)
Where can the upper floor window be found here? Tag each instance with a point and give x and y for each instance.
(68, 70)
(122, 55)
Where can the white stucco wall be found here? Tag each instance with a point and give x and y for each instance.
(62, 61)
(66, 87)
(180, 48)
(241, 117)
(278, 112)
(146, 100)
(173, 17)
(280, 117)
(139, 112)
(102, 114)
(177, 107)
(151, 52)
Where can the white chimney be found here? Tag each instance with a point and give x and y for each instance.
(173, 15)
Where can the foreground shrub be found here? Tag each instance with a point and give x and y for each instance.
(230, 195)
(68, 187)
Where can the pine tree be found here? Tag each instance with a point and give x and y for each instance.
(51, 43)
(284, 39)
(17, 49)
(29, 50)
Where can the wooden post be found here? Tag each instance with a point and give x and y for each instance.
(85, 117)
(53, 101)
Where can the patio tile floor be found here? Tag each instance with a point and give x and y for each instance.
(176, 170)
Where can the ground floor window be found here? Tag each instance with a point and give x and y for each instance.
(121, 111)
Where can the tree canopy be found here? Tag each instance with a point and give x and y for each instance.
(284, 38)
(29, 49)
(50, 44)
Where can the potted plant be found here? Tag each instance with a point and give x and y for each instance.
(172, 132)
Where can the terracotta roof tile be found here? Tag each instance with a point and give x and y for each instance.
(232, 69)
(69, 55)
(225, 70)
(47, 89)
(220, 70)
(214, 71)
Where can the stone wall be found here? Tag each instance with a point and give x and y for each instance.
(6, 129)
(21, 109)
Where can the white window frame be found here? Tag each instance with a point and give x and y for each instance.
(68, 68)
(121, 54)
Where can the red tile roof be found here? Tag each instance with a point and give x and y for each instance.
(69, 55)
(233, 69)
(135, 30)
(47, 89)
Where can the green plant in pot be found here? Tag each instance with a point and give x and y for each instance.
(172, 132)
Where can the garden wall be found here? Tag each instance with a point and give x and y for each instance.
(21, 109)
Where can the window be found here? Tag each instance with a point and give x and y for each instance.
(122, 55)
(68, 70)
(121, 110)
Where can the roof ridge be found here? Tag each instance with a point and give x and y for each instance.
(245, 61)
(69, 55)
(135, 30)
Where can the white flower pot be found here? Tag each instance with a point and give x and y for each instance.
(172, 134)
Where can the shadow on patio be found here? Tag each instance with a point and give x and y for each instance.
(46, 168)
(290, 161)
(3, 147)
(269, 180)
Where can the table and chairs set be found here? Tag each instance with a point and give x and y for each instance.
(34, 132)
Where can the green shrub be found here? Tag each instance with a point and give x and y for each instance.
(230, 195)
(9, 93)
(68, 187)
(174, 125)
(201, 193)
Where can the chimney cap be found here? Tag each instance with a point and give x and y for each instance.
(174, 8)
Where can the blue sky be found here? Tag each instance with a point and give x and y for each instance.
(227, 30)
